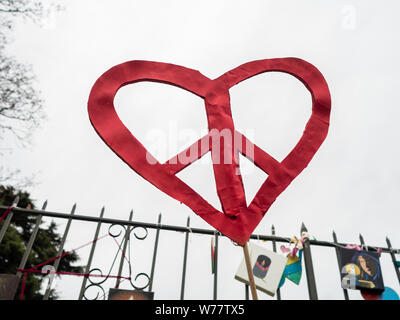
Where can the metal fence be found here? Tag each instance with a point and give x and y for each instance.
(128, 226)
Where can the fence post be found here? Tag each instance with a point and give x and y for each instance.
(345, 293)
(7, 221)
(29, 246)
(184, 260)
(312, 289)
(31, 241)
(278, 291)
(216, 266)
(126, 240)
(60, 251)
(153, 264)
(396, 268)
(96, 235)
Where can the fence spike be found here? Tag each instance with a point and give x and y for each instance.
(345, 293)
(7, 220)
(312, 289)
(278, 291)
(60, 251)
(125, 241)
(92, 249)
(361, 239)
(15, 202)
(394, 260)
(185, 259)
(153, 263)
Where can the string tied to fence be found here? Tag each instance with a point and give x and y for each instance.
(8, 210)
(33, 269)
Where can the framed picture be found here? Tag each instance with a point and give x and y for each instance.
(120, 294)
(360, 270)
(267, 268)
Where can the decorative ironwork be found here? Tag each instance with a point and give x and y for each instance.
(124, 250)
(115, 234)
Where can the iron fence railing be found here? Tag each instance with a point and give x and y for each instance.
(129, 225)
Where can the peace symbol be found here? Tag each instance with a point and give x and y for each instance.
(237, 221)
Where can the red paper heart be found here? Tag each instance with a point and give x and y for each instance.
(237, 221)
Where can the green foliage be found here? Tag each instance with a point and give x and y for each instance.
(44, 248)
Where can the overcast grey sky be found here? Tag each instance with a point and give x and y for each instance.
(351, 185)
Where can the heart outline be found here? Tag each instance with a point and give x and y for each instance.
(237, 221)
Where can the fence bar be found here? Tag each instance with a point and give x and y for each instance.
(216, 265)
(153, 263)
(312, 289)
(396, 268)
(60, 251)
(246, 291)
(31, 241)
(173, 228)
(126, 240)
(345, 293)
(7, 220)
(96, 235)
(362, 242)
(278, 291)
(185, 259)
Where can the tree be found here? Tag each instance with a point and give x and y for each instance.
(21, 104)
(44, 248)
(21, 107)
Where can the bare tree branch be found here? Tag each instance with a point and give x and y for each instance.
(21, 105)
(13, 177)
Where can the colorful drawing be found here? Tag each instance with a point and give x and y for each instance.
(268, 267)
(360, 270)
(261, 266)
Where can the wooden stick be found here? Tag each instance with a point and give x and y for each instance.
(250, 272)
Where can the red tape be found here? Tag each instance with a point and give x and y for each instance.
(237, 221)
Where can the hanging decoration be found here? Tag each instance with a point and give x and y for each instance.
(387, 294)
(360, 270)
(267, 268)
(293, 268)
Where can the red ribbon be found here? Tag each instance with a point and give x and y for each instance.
(8, 210)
